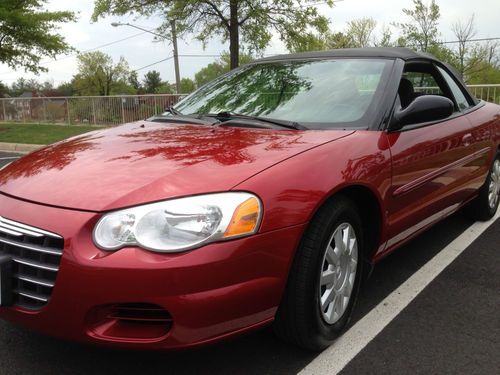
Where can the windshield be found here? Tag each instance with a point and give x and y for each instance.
(325, 93)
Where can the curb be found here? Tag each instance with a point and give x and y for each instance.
(21, 148)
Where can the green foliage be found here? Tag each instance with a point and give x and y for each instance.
(99, 75)
(218, 68)
(489, 74)
(23, 85)
(209, 73)
(309, 42)
(28, 33)
(250, 23)
(166, 88)
(421, 31)
(187, 86)
(133, 81)
(66, 89)
(360, 32)
(152, 82)
(443, 53)
(339, 40)
(3, 90)
(385, 38)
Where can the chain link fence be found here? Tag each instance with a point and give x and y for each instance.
(114, 110)
(85, 110)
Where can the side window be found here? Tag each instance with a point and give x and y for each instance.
(460, 98)
(423, 83)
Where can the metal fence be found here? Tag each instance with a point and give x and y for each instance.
(85, 110)
(489, 93)
(113, 110)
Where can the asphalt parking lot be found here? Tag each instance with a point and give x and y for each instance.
(452, 326)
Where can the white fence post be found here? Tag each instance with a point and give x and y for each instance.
(122, 99)
(93, 111)
(4, 113)
(44, 102)
(67, 109)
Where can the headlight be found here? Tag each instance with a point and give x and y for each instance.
(180, 224)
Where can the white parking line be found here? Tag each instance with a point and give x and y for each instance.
(336, 357)
(9, 158)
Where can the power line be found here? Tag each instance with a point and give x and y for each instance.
(84, 51)
(157, 62)
(454, 41)
(470, 40)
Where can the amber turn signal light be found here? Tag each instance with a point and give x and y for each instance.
(245, 218)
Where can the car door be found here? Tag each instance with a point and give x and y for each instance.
(482, 128)
(431, 162)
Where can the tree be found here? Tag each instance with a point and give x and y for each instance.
(165, 88)
(133, 81)
(463, 32)
(242, 22)
(23, 85)
(385, 38)
(218, 68)
(28, 33)
(339, 40)
(187, 86)
(421, 31)
(471, 58)
(152, 82)
(3, 90)
(99, 75)
(209, 73)
(360, 31)
(66, 89)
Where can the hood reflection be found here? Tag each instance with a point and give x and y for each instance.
(56, 156)
(190, 145)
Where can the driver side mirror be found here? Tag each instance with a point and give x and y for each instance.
(424, 108)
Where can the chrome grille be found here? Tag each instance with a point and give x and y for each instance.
(36, 255)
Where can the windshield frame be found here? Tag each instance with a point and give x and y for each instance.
(372, 115)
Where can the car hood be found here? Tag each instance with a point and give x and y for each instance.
(144, 162)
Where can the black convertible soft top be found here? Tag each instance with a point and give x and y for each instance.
(376, 52)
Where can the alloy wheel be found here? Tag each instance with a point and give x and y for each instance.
(494, 188)
(338, 273)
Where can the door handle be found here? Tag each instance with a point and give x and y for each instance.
(467, 139)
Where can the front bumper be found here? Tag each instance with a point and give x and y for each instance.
(210, 293)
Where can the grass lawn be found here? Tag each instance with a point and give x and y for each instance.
(40, 134)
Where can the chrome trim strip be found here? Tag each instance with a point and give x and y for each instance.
(20, 227)
(432, 175)
(29, 295)
(11, 232)
(20, 230)
(44, 250)
(36, 264)
(34, 280)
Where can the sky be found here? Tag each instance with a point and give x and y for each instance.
(141, 50)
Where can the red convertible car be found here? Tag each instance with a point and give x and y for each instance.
(262, 198)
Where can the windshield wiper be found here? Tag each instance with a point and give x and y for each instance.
(226, 116)
(174, 111)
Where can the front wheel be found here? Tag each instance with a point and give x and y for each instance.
(324, 280)
(485, 205)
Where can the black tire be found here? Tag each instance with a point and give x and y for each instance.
(480, 208)
(299, 319)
